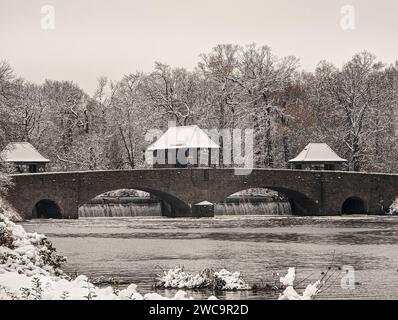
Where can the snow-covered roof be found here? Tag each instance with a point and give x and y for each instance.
(21, 152)
(183, 137)
(317, 152)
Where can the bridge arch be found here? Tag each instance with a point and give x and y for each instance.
(300, 203)
(353, 205)
(46, 209)
(170, 205)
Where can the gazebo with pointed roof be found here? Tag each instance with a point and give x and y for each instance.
(317, 156)
(25, 157)
(191, 141)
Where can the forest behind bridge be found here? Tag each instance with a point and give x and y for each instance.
(352, 107)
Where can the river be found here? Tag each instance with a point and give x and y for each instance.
(133, 249)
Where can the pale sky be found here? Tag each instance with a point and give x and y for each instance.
(94, 38)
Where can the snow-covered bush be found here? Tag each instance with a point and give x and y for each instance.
(5, 180)
(8, 211)
(222, 280)
(5, 183)
(27, 253)
(393, 210)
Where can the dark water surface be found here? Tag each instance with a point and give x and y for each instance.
(133, 249)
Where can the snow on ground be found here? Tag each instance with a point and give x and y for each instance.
(19, 286)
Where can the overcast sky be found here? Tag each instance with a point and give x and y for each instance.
(110, 38)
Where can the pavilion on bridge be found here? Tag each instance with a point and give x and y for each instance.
(317, 156)
(181, 147)
(24, 157)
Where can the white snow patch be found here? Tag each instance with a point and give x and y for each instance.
(309, 293)
(288, 280)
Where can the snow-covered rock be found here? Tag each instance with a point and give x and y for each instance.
(230, 281)
(177, 278)
(222, 280)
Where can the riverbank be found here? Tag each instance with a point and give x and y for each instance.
(31, 269)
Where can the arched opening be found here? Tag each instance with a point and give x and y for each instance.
(131, 203)
(274, 201)
(255, 201)
(353, 205)
(46, 209)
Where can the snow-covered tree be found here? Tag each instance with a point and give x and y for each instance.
(350, 101)
(264, 78)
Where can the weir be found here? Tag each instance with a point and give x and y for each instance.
(153, 209)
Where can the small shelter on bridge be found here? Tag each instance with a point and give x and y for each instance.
(180, 147)
(24, 157)
(317, 156)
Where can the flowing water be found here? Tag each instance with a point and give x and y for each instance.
(133, 249)
(131, 209)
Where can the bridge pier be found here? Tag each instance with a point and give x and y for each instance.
(199, 210)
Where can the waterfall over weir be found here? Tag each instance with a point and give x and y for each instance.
(253, 208)
(149, 207)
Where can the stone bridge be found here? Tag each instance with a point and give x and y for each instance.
(309, 192)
